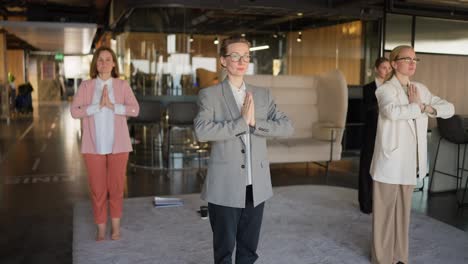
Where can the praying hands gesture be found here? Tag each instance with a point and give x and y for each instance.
(105, 101)
(414, 97)
(248, 109)
(413, 94)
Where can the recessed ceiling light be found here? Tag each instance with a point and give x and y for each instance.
(299, 37)
(259, 48)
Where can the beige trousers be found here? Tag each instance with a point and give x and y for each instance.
(390, 222)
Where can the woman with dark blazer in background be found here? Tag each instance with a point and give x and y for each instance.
(382, 68)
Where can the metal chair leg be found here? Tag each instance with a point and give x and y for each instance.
(160, 146)
(134, 152)
(326, 172)
(462, 203)
(168, 152)
(458, 167)
(331, 155)
(152, 145)
(431, 179)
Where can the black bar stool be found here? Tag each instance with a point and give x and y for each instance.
(453, 131)
(150, 116)
(180, 115)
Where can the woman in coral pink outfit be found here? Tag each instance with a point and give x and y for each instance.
(103, 104)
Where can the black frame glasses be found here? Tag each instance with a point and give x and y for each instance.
(409, 60)
(236, 57)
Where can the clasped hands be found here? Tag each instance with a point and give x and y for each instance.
(105, 100)
(414, 97)
(248, 109)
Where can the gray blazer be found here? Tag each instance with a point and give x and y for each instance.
(220, 122)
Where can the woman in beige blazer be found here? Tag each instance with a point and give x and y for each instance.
(400, 153)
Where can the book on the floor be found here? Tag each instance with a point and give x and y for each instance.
(167, 201)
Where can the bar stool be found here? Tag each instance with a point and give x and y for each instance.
(150, 116)
(180, 116)
(452, 130)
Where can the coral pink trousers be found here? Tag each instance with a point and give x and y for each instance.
(106, 177)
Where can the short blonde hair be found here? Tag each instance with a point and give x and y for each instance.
(93, 68)
(394, 56)
(231, 40)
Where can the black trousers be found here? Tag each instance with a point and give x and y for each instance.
(365, 179)
(365, 187)
(238, 227)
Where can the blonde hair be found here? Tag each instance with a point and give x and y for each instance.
(231, 40)
(394, 56)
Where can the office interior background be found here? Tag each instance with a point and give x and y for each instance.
(168, 51)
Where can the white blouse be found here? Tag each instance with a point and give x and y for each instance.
(377, 82)
(104, 117)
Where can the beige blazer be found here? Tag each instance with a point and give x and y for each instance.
(400, 151)
(220, 122)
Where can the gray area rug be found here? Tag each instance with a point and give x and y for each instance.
(302, 224)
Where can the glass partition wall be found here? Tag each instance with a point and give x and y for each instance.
(162, 64)
(169, 53)
(430, 35)
(174, 51)
(166, 64)
(441, 46)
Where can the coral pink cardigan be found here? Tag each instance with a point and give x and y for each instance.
(123, 95)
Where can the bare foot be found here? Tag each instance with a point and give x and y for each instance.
(101, 232)
(115, 229)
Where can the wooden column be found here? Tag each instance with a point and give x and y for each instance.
(4, 92)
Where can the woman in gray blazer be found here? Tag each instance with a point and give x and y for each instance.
(400, 153)
(236, 118)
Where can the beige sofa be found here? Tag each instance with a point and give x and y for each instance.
(317, 106)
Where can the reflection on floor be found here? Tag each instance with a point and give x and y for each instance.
(183, 152)
(42, 175)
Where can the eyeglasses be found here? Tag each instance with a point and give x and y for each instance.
(236, 57)
(410, 60)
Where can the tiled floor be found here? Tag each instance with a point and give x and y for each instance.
(42, 176)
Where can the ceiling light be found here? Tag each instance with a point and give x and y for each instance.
(299, 37)
(216, 41)
(259, 48)
(243, 35)
(191, 38)
(299, 14)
